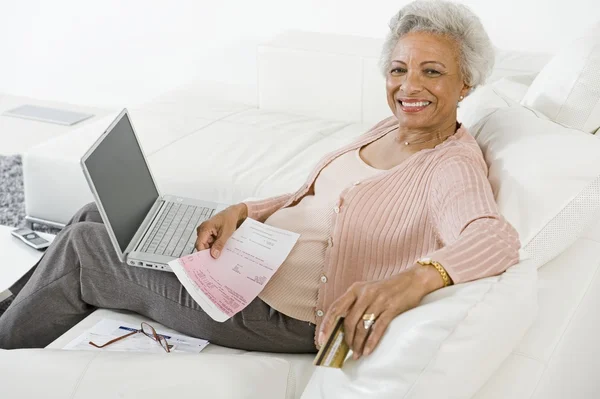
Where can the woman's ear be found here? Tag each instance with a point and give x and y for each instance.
(465, 90)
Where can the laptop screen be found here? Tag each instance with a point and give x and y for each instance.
(122, 180)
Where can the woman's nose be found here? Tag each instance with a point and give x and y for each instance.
(411, 83)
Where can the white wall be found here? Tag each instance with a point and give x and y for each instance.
(118, 52)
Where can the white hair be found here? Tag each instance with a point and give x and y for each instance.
(476, 58)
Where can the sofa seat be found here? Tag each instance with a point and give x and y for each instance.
(289, 373)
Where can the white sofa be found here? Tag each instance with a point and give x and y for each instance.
(524, 334)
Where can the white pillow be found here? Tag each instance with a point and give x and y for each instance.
(514, 87)
(567, 89)
(447, 347)
(487, 99)
(545, 177)
(480, 103)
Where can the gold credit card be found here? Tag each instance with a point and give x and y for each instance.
(333, 352)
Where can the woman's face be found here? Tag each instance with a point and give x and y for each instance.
(424, 81)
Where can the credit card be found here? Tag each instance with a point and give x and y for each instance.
(333, 352)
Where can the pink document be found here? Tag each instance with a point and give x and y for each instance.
(225, 286)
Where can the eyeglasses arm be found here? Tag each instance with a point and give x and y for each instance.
(112, 341)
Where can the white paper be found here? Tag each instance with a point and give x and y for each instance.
(225, 286)
(107, 329)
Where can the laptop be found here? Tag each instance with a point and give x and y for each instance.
(147, 229)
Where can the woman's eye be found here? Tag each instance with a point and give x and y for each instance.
(432, 72)
(396, 71)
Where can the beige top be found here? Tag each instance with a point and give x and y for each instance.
(294, 288)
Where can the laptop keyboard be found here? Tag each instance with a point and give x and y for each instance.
(175, 232)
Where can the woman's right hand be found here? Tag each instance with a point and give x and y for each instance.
(214, 232)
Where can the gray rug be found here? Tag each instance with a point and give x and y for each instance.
(12, 197)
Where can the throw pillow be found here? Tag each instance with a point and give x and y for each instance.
(545, 177)
(567, 89)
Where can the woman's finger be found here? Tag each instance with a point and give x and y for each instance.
(338, 308)
(353, 320)
(360, 332)
(377, 330)
(206, 232)
(223, 235)
(208, 243)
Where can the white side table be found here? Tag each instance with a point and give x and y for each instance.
(16, 258)
(19, 135)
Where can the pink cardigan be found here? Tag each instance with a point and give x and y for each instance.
(437, 204)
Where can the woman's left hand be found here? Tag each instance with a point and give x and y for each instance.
(386, 299)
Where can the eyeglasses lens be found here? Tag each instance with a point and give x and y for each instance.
(150, 332)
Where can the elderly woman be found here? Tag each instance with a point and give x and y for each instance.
(404, 210)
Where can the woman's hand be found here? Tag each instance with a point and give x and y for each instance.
(214, 232)
(386, 299)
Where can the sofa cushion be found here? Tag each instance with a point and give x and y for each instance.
(567, 298)
(90, 375)
(514, 87)
(353, 93)
(511, 63)
(480, 103)
(251, 153)
(567, 89)
(545, 177)
(299, 366)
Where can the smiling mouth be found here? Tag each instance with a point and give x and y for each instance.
(413, 106)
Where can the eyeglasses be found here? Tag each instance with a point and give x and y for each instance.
(145, 329)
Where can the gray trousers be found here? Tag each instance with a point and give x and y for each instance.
(80, 272)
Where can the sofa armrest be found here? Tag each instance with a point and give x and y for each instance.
(446, 348)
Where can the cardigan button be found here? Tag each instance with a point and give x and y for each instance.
(356, 183)
(336, 209)
(320, 313)
(330, 241)
(323, 278)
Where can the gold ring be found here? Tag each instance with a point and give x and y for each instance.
(369, 316)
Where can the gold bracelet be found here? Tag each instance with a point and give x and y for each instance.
(439, 268)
